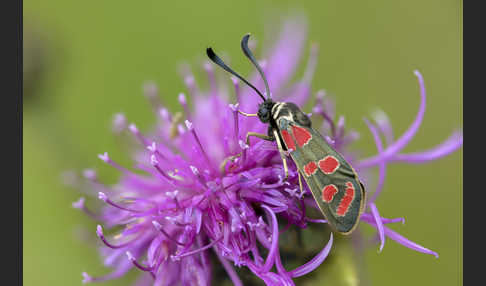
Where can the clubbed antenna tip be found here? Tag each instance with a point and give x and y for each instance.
(249, 55)
(217, 60)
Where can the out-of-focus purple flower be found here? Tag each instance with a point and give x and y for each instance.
(180, 206)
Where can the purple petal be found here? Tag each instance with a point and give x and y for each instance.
(185, 196)
(384, 125)
(382, 165)
(314, 263)
(448, 146)
(379, 224)
(274, 246)
(229, 269)
(405, 242)
(369, 218)
(153, 250)
(273, 279)
(211, 244)
(316, 220)
(406, 137)
(280, 267)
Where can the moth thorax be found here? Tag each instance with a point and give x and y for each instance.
(291, 112)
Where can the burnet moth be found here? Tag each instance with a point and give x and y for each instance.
(334, 184)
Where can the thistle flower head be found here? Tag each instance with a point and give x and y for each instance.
(190, 194)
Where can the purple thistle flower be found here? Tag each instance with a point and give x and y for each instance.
(181, 205)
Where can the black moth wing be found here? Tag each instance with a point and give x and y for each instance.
(314, 150)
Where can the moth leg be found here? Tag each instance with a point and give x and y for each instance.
(222, 166)
(300, 183)
(282, 154)
(247, 114)
(258, 135)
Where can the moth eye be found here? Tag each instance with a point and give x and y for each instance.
(264, 112)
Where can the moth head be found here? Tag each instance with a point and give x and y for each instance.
(265, 111)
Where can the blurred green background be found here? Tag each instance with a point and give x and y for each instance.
(84, 61)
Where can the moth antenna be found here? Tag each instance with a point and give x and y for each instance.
(217, 60)
(249, 55)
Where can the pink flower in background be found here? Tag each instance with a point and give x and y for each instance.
(167, 215)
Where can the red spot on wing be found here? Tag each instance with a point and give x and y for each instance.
(302, 135)
(328, 193)
(289, 142)
(346, 200)
(310, 168)
(329, 165)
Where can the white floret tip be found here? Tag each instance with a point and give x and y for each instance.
(102, 196)
(172, 194)
(188, 124)
(157, 225)
(153, 160)
(153, 147)
(234, 107)
(99, 231)
(104, 157)
(194, 170)
(182, 98)
(133, 128)
(164, 113)
(243, 145)
(79, 204)
(130, 256)
(86, 278)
